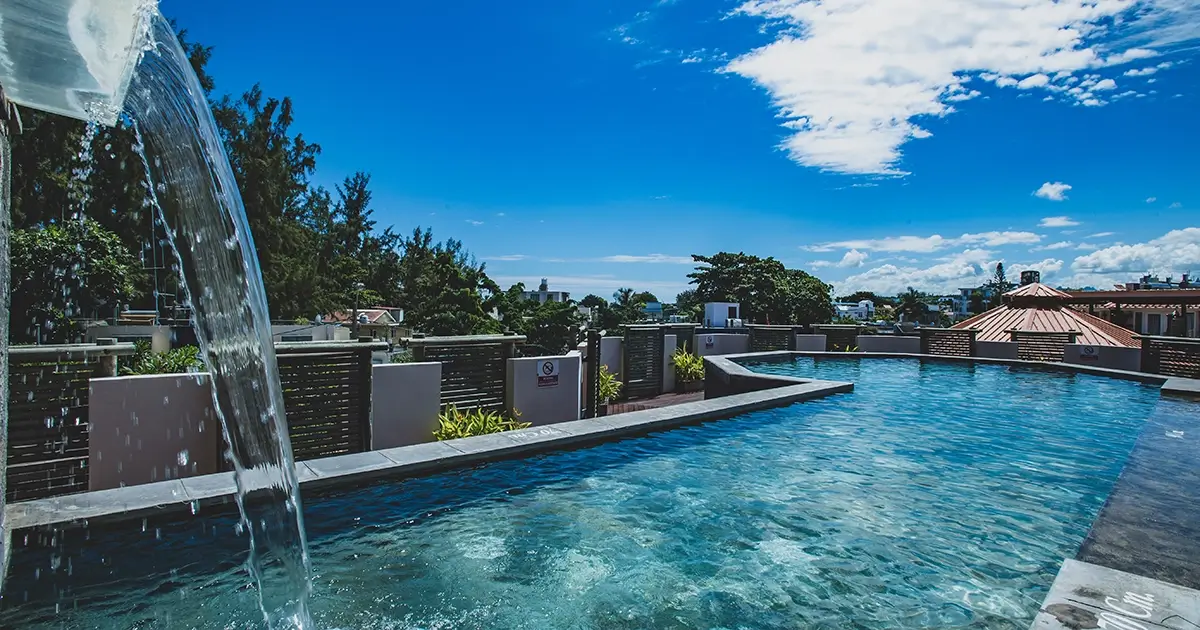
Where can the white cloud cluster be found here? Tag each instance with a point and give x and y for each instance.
(852, 258)
(1056, 191)
(656, 259)
(1175, 250)
(851, 77)
(929, 244)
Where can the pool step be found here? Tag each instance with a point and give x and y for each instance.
(1091, 596)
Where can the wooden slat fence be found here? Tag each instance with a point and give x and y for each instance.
(685, 335)
(327, 396)
(642, 367)
(1171, 356)
(839, 337)
(948, 342)
(772, 338)
(1042, 346)
(474, 368)
(48, 416)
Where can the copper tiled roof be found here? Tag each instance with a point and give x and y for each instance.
(1040, 311)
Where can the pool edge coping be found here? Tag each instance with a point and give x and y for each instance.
(192, 493)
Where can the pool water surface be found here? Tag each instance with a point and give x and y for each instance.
(936, 495)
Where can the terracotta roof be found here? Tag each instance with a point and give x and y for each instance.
(1036, 307)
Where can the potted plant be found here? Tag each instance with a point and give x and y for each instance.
(454, 424)
(609, 389)
(689, 371)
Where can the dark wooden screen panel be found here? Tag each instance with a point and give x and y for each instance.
(48, 427)
(839, 338)
(326, 399)
(769, 339)
(1171, 357)
(948, 342)
(1042, 346)
(685, 335)
(474, 369)
(642, 368)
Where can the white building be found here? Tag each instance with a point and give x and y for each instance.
(723, 315)
(862, 311)
(544, 294)
(962, 302)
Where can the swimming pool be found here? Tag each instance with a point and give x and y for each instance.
(935, 495)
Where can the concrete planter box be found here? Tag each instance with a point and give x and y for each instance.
(687, 387)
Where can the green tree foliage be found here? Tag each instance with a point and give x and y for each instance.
(174, 361)
(911, 305)
(767, 291)
(877, 300)
(64, 271)
(444, 290)
(976, 304)
(999, 285)
(554, 326)
(688, 305)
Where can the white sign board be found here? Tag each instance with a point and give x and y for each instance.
(547, 373)
(709, 341)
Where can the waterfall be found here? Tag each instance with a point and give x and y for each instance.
(197, 198)
(5, 301)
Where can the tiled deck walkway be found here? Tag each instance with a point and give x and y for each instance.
(666, 400)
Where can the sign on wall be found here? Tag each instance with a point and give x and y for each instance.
(1089, 353)
(547, 373)
(709, 341)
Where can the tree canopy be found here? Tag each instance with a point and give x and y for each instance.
(767, 291)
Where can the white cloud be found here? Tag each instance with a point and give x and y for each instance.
(969, 268)
(649, 259)
(1149, 70)
(850, 77)
(1101, 234)
(1087, 247)
(474, 222)
(1053, 222)
(1033, 81)
(928, 244)
(1151, 199)
(1177, 250)
(1056, 191)
(1054, 246)
(854, 258)
(691, 59)
(500, 214)
(1175, 205)
(507, 257)
(1105, 84)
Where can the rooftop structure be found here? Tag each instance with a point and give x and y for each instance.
(544, 294)
(1036, 307)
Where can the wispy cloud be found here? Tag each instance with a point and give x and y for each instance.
(928, 244)
(1054, 246)
(1056, 191)
(849, 107)
(654, 259)
(507, 257)
(1101, 234)
(1151, 199)
(1055, 222)
(1175, 205)
(1177, 250)
(474, 222)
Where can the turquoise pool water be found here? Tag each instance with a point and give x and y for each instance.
(934, 496)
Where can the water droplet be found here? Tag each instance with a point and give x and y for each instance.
(195, 507)
(166, 401)
(182, 457)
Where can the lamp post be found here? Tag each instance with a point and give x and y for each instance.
(358, 287)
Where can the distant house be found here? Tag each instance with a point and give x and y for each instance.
(376, 323)
(722, 315)
(861, 311)
(544, 294)
(653, 311)
(962, 301)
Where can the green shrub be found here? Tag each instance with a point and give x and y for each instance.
(403, 356)
(177, 361)
(453, 424)
(688, 367)
(610, 387)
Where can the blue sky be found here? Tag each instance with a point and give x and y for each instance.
(876, 143)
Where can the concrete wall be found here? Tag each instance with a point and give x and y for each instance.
(996, 349)
(669, 345)
(405, 401)
(612, 354)
(810, 343)
(151, 428)
(1112, 357)
(160, 336)
(889, 344)
(547, 404)
(722, 344)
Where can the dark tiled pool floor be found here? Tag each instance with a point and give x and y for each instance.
(1150, 525)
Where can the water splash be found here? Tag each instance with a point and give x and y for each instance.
(196, 196)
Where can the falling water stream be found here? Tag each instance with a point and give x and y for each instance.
(196, 195)
(5, 300)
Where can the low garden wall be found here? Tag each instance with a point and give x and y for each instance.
(1111, 357)
(405, 402)
(889, 344)
(996, 349)
(545, 390)
(811, 343)
(721, 343)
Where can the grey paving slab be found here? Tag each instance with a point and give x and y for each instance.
(1188, 387)
(346, 465)
(421, 455)
(547, 434)
(210, 486)
(1091, 596)
(495, 443)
